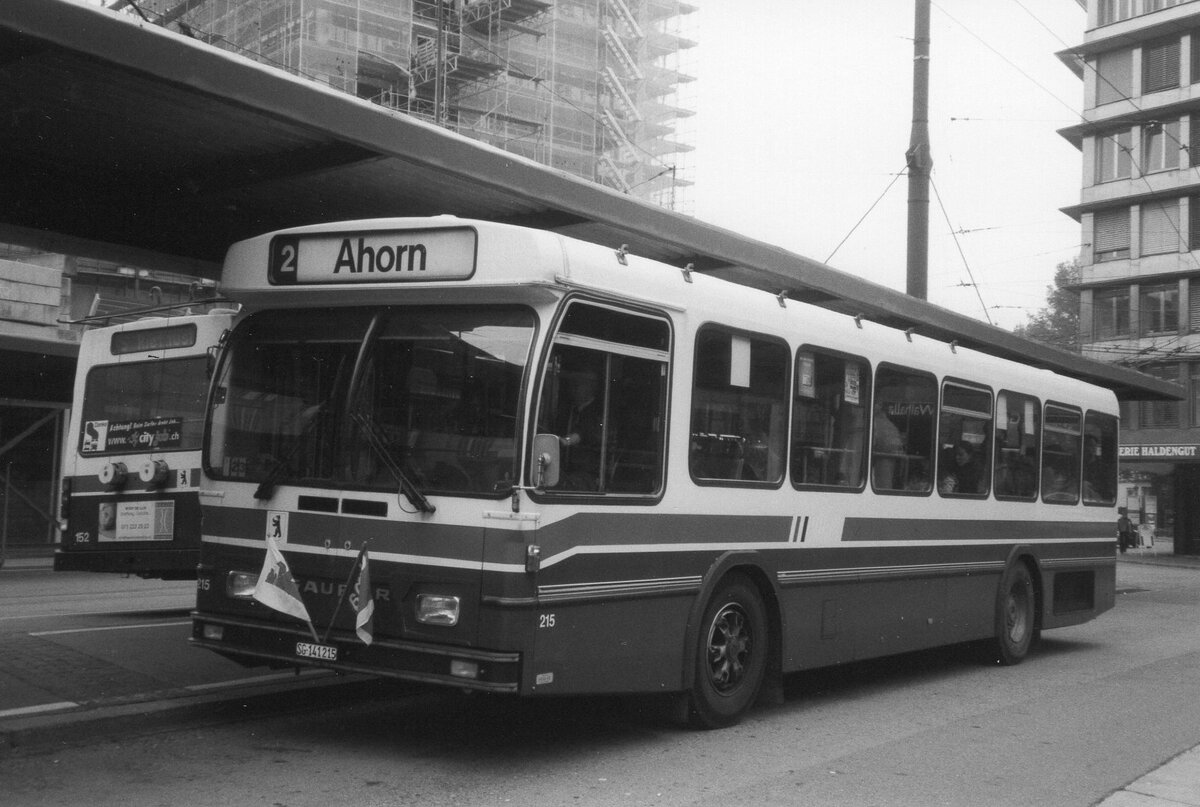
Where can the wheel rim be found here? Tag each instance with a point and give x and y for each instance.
(730, 644)
(1016, 613)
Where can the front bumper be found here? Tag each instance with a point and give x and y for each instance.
(255, 643)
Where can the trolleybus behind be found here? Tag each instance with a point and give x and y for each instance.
(132, 456)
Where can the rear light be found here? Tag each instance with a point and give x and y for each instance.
(113, 475)
(437, 609)
(64, 501)
(240, 585)
(153, 473)
(213, 632)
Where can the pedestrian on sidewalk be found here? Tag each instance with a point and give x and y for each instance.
(1124, 530)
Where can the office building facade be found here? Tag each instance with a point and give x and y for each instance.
(1139, 211)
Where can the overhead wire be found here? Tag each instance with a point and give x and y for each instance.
(895, 178)
(966, 264)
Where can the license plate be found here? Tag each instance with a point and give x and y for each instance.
(318, 651)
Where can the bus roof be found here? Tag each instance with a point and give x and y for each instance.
(483, 260)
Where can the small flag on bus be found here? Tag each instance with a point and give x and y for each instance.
(276, 588)
(362, 600)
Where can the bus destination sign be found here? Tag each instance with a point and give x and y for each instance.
(378, 256)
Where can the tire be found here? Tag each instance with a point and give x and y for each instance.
(1015, 615)
(731, 655)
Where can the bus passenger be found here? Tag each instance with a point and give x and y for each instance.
(963, 475)
(1058, 486)
(582, 432)
(886, 444)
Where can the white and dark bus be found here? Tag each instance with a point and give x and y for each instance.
(579, 471)
(132, 456)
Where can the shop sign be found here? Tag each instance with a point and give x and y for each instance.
(1178, 452)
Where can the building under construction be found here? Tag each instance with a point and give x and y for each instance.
(590, 87)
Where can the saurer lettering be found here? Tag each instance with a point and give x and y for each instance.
(398, 258)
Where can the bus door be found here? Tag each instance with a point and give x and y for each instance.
(602, 420)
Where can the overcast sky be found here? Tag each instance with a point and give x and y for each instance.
(804, 111)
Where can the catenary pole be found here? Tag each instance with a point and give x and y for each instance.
(919, 160)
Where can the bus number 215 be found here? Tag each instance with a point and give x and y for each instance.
(546, 620)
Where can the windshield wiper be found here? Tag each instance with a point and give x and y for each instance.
(377, 443)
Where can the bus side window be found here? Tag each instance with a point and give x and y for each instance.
(964, 440)
(1061, 448)
(739, 407)
(902, 430)
(1018, 436)
(1100, 459)
(829, 419)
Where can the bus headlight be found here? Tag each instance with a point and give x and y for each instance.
(437, 609)
(240, 585)
(464, 669)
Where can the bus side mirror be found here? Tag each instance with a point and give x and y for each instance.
(547, 457)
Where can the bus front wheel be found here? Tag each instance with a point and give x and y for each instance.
(1015, 615)
(731, 655)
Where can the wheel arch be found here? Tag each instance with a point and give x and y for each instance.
(1024, 553)
(747, 563)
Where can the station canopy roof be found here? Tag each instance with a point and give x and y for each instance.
(125, 141)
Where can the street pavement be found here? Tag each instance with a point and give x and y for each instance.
(1176, 783)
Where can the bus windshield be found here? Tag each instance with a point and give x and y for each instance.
(144, 406)
(373, 398)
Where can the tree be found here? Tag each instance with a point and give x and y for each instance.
(1057, 323)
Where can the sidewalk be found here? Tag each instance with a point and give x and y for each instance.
(40, 556)
(1177, 782)
(1160, 554)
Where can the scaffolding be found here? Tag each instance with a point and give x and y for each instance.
(589, 87)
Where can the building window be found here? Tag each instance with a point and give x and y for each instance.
(1194, 220)
(1113, 156)
(1160, 227)
(1128, 411)
(1160, 146)
(1160, 309)
(1194, 391)
(1161, 414)
(1114, 76)
(1115, 10)
(1195, 35)
(1160, 65)
(1111, 309)
(1110, 234)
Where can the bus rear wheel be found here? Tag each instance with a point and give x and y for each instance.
(731, 655)
(1015, 615)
